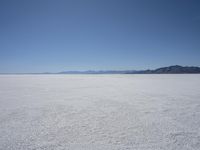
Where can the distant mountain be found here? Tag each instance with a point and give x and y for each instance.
(97, 72)
(176, 69)
(170, 70)
(164, 70)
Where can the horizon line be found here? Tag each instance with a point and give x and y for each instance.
(90, 71)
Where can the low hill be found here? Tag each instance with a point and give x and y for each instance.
(170, 70)
(176, 69)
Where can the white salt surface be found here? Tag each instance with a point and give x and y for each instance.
(100, 112)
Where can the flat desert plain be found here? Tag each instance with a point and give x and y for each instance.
(100, 112)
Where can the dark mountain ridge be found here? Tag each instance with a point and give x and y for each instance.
(173, 70)
(176, 69)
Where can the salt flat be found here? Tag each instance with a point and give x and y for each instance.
(100, 112)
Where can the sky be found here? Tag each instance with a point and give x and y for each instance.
(63, 35)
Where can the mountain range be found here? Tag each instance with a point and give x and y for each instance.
(176, 69)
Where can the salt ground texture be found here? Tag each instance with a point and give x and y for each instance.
(100, 112)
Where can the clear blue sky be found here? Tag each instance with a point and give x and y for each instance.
(60, 35)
